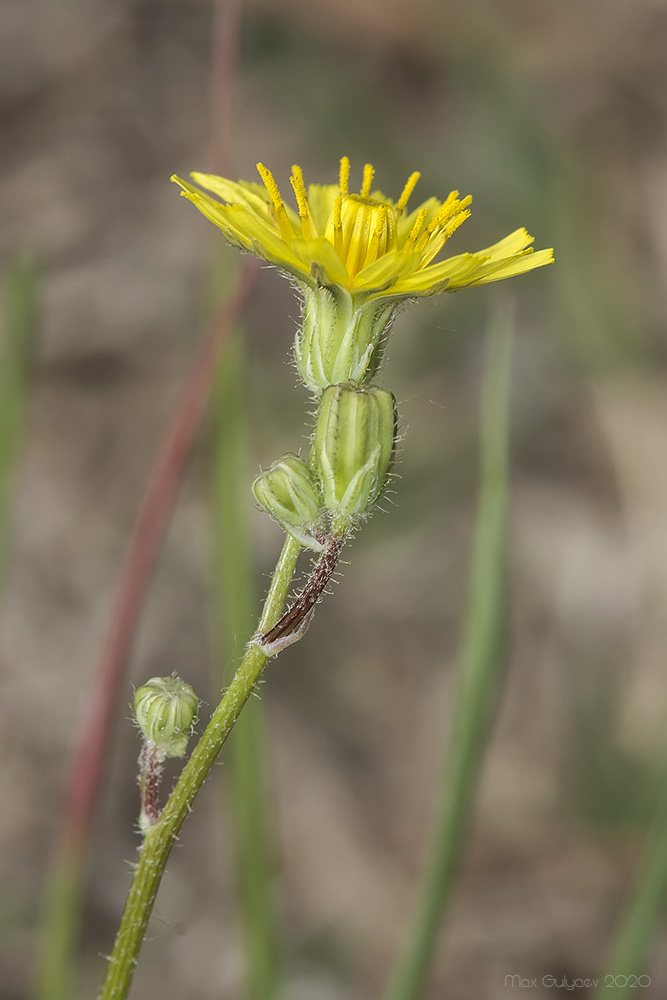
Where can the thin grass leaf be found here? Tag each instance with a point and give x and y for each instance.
(481, 663)
(626, 970)
(234, 568)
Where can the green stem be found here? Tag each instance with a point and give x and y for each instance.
(625, 964)
(160, 839)
(481, 662)
(62, 916)
(231, 539)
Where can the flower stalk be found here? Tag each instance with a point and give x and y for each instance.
(151, 764)
(165, 710)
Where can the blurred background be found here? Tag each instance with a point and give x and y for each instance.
(553, 115)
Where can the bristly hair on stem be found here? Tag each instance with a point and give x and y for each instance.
(299, 613)
(150, 776)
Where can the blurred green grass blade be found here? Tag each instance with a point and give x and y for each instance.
(640, 921)
(63, 903)
(234, 562)
(19, 301)
(481, 662)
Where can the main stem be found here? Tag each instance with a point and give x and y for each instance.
(160, 839)
(62, 911)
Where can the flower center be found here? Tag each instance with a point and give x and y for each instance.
(361, 230)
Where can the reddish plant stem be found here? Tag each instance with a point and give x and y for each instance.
(311, 593)
(150, 776)
(223, 85)
(89, 754)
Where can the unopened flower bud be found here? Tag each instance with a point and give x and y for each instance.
(166, 709)
(353, 449)
(289, 493)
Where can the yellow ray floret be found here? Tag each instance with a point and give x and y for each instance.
(364, 242)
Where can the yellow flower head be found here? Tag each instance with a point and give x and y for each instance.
(365, 243)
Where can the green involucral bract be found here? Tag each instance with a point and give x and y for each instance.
(340, 338)
(353, 449)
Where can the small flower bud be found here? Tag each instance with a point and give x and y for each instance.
(353, 448)
(289, 493)
(166, 709)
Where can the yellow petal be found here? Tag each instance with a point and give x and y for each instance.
(320, 252)
(514, 243)
(429, 280)
(267, 244)
(383, 272)
(321, 198)
(400, 246)
(497, 270)
(254, 196)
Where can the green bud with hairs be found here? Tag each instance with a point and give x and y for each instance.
(353, 450)
(165, 709)
(289, 493)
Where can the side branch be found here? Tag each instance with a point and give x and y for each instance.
(150, 775)
(296, 619)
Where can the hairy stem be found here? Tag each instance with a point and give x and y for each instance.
(160, 839)
(65, 886)
(150, 776)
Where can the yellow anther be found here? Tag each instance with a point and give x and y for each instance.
(344, 175)
(444, 213)
(415, 231)
(369, 173)
(458, 220)
(433, 244)
(407, 191)
(450, 208)
(307, 225)
(338, 215)
(284, 224)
